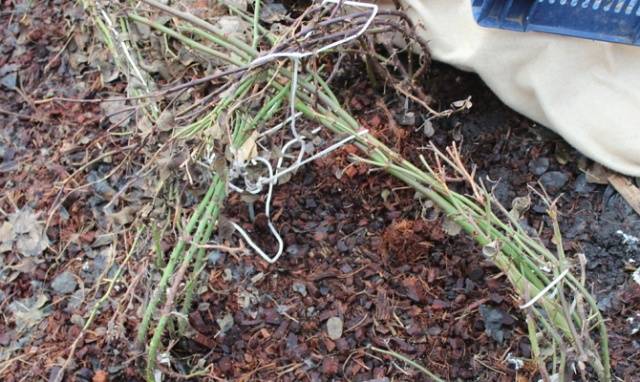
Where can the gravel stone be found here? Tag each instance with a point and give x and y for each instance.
(539, 166)
(553, 181)
(64, 283)
(334, 328)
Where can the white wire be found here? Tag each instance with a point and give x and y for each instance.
(272, 228)
(271, 180)
(316, 156)
(297, 56)
(545, 290)
(259, 250)
(297, 138)
(374, 12)
(279, 125)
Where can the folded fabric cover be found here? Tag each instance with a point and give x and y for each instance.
(586, 91)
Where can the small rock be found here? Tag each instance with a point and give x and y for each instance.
(334, 328)
(77, 319)
(292, 342)
(414, 330)
(300, 288)
(55, 374)
(579, 226)
(539, 207)
(606, 302)
(273, 12)
(100, 185)
(475, 273)
(428, 129)
(582, 186)
(9, 76)
(493, 318)
(346, 268)
(553, 181)
(233, 26)
(434, 330)
(293, 250)
(311, 311)
(64, 283)
(84, 374)
(539, 166)
(406, 119)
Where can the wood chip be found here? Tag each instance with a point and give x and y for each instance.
(627, 190)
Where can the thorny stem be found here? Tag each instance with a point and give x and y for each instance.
(256, 22)
(187, 41)
(203, 233)
(171, 264)
(240, 137)
(208, 220)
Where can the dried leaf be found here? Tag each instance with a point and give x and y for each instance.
(114, 110)
(124, 216)
(25, 231)
(249, 149)
(597, 174)
(7, 237)
(520, 205)
(225, 323)
(450, 227)
(33, 243)
(26, 265)
(23, 220)
(215, 131)
(27, 312)
(166, 121)
(231, 26)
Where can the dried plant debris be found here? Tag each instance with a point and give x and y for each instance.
(24, 232)
(28, 312)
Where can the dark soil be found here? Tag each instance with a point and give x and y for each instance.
(360, 247)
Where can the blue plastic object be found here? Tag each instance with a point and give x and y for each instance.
(607, 20)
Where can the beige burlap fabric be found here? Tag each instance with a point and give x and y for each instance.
(586, 91)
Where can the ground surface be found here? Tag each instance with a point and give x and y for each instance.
(361, 250)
